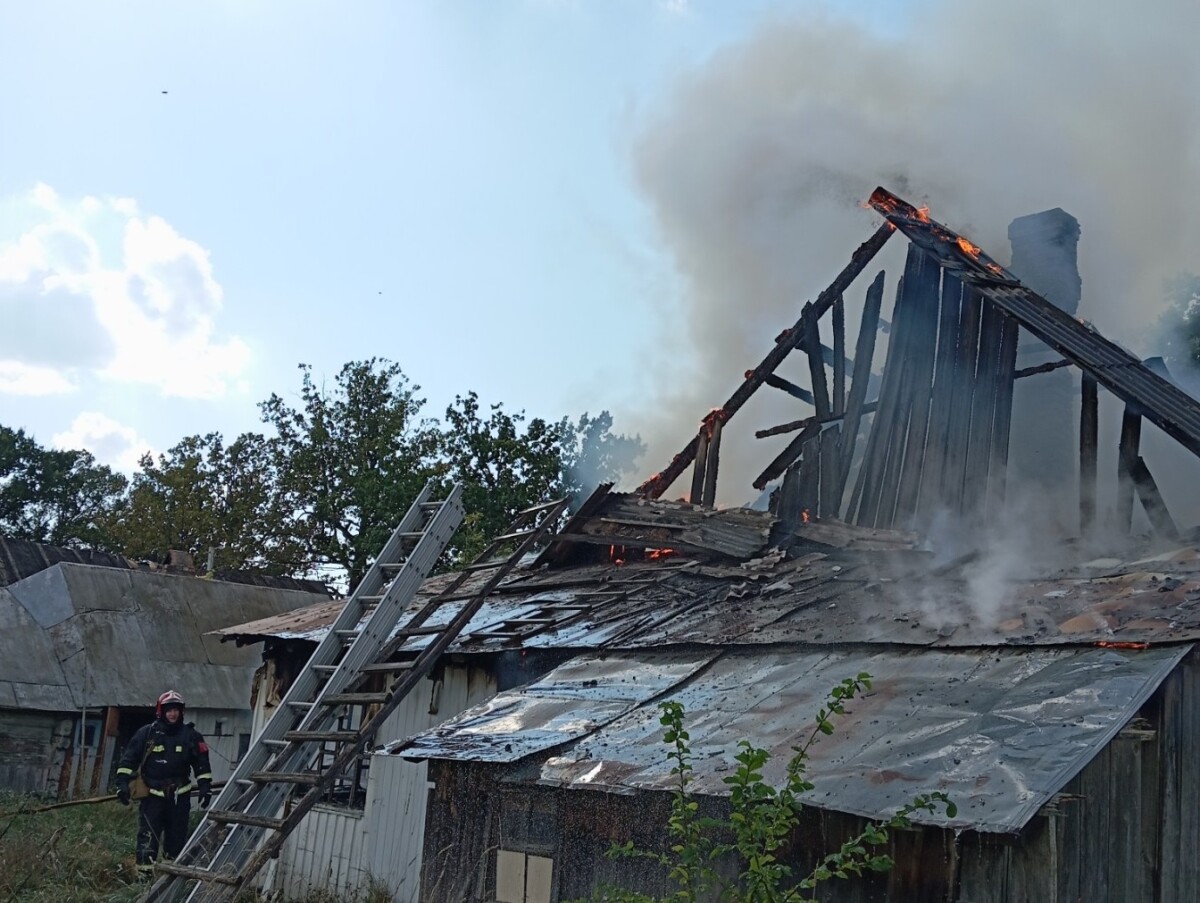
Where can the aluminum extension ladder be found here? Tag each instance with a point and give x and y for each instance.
(256, 811)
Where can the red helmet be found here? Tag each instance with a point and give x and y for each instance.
(169, 698)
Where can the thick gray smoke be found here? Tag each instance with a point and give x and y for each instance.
(755, 165)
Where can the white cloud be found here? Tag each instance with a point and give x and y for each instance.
(17, 378)
(113, 443)
(97, 286)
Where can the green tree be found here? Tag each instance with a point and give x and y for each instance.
(594, 454)
(504, 463)
(350, 458)
(1179, 325)
(61, 497)
(204, 495)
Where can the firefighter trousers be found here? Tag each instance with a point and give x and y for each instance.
(162, 820)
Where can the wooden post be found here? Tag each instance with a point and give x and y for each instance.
(105, 747)
(1127, 455)
(698, 469)
(983, 406)
(710, 467)
(1089, 431)
(942, 397)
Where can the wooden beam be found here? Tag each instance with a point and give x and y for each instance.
(698, 469)
(1127, 455)
(1152, 500)
(789, 454)
(656, 485)
(1041, 368)
(959, 430)
(1089, 430)
(793, 425)
(983, 406)
(778, 382)
(709, 497)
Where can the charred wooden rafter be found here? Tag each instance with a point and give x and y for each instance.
(660, 482)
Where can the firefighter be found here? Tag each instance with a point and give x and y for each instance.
(172, 759)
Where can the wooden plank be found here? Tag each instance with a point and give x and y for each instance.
(1002, 415)
(839, 356)
(1041, 368)
(871, 476)
(816, 363)
(959, 429)
(660, 482)
(1152, 500)
(916, 332)
(983, 405)
(830, 496)
(793, 426)
(942, 397)
(1127, 454)
(864, 353)
(1089, 430)
(920, 390)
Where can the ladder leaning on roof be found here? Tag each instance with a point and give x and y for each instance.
(257, 810)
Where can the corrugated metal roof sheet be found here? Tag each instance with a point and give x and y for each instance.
(819, 598)
(74, 635)
(1000, 730)
(571, 702)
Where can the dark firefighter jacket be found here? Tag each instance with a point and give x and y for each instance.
(174, 753)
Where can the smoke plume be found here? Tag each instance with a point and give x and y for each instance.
(754, 167)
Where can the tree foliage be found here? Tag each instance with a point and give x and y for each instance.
(61, 497)
(323, 489)
(350, 459)
(761, 823)
(1179, 325)
(203, 495)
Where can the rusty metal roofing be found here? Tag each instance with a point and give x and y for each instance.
(1000, 731)
(823, 598)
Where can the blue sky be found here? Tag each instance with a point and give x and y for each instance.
(564, 205)
(443, 184)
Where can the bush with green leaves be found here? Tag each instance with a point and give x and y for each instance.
(760, 822)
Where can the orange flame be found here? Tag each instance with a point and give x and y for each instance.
(805, 516)
(1110, 644)
(969, 247)
(616, 554)
(655, 554)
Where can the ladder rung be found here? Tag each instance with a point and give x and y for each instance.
(278, 744)
(225, 817)
(391, 565)
(184, 871)
(386, 667)
(325, 669)
(545, 506)
(431, 506)
(520, 534)
(355, 698)
(370, 599)
(348, 633)
(420, 631)
(285, 777)
(300, 704)
(483, 565)
(321, 736)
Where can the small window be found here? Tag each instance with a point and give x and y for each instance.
(523, 877)
(219, 728)
(243, 746)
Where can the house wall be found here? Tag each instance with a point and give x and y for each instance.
(344, 850)
(31, 750)
(227, 733)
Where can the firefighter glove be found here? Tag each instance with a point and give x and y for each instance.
(123, 794)
(205, 788)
